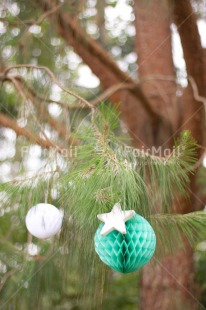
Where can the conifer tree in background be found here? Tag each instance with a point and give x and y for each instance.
(90, 164)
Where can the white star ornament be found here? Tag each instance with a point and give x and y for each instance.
(115, 220)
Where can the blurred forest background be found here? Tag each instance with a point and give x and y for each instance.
(146, 56)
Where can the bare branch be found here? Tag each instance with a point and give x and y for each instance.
(8, 122)
(196, 92)
(110, 91)
(105, 95)
(43, 114)
(38, 101)
(186, 22)
(20, 79)
(53, 78)
(28, 93)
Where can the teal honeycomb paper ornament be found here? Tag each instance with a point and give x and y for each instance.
(127, 252)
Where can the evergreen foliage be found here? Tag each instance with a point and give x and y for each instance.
(105, 171)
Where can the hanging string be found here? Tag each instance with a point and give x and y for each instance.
(47, 191)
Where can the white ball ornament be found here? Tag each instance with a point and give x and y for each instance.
(44, 220)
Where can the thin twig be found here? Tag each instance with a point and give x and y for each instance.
(29, 242)
(31, 22)
(43, 257)
(48, 13)
(19, 89)
(7, 276)
(195, 91)
(53, 78)
(200, 160)
(9, 78)
(110, 91)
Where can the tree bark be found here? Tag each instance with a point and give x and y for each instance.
(186, 22)
(194, 55)
(170, 284)
(154, 50)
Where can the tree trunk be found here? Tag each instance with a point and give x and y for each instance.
(170, 284)
(194, 55)
(154, 50)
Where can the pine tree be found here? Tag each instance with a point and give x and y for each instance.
(88, 158)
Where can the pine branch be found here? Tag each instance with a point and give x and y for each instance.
(103, 173)
(106, 171)
(164, 175)
(146, 181)
(171, 229)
